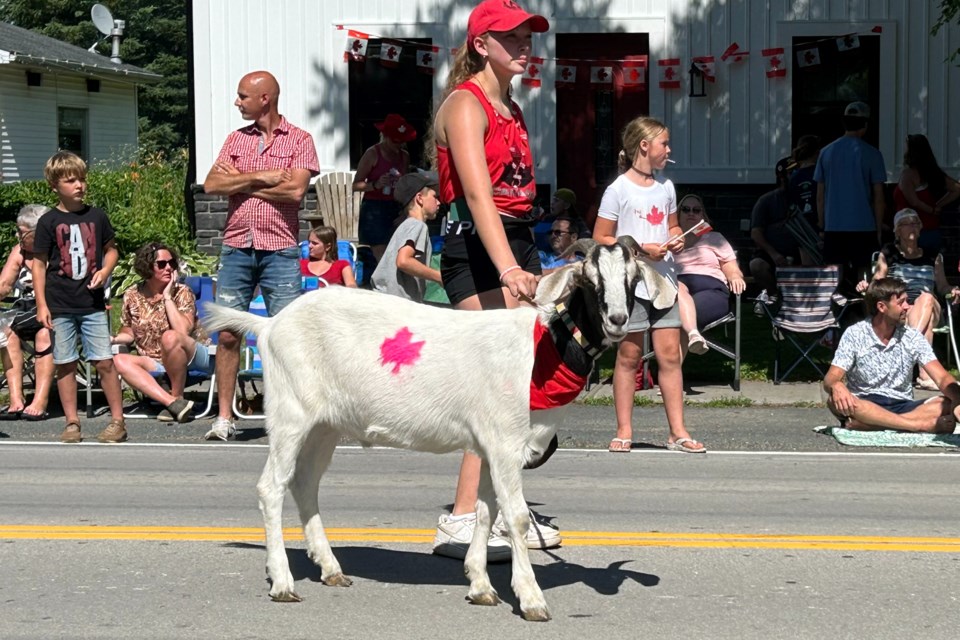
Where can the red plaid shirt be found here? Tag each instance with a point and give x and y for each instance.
(252, 221)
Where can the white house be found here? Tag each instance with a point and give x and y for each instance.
(834, 51)
(57, 96)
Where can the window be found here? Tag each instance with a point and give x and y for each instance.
(831, 79)
(72, 130)
(376, 90)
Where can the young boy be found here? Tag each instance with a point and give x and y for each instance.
(74, 256)
(404, 268)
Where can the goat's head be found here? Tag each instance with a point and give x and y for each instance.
(607, 277)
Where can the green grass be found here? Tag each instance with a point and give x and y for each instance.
(607, 401)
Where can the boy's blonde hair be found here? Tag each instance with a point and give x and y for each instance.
(64, 164)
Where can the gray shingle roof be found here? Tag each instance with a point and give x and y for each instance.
(30, 48)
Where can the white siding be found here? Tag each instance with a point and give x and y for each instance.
(28, 119)
(735, 134)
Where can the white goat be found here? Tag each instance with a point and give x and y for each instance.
(390, 372)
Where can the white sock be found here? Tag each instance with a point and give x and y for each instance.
(462, 516)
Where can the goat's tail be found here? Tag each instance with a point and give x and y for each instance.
(219, 318)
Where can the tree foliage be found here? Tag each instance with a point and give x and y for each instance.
(155, 38)
(949, 12)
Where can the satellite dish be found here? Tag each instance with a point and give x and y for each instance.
(102, 18)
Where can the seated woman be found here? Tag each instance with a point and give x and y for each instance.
(323, 262)
(708, 271)
(924, 187)
(159, 317)
(16, 275)
(923, 272)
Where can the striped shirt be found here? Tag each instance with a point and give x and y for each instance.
(254, 222)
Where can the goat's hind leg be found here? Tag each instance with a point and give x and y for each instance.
(312, 462)
(281, 461)
(475, 563)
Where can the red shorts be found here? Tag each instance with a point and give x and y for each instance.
(553, 384)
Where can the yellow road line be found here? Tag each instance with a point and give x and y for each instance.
(422, 536)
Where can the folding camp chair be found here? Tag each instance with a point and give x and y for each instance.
(204, 290)
(339, 207)
(808, 306)
(346, 250)
(251, 369)
(722, 348)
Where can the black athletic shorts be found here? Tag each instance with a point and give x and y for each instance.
(465, 266)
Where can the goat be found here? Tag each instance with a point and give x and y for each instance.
(436, 380)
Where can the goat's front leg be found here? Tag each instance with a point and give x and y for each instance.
(505, 475)
(272, 487)
(312, 462)
(475, 563)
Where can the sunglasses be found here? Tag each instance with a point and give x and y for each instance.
(556, 233)
(163, 264)
(691, 209)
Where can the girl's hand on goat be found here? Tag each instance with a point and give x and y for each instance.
(519, 283)
(655, 252)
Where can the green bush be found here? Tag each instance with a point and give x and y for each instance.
(143, 198)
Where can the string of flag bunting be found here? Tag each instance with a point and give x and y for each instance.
(631, 70)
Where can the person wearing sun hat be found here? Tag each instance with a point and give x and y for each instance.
(486, 170)
(379, 169)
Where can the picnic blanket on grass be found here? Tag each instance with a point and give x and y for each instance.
(855, 438)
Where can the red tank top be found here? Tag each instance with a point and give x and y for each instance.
(509, 161)
(383, 166)
(333, 275)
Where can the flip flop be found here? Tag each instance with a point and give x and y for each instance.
(682, 444)
(35, 417)
(6, 414)
(620, 445)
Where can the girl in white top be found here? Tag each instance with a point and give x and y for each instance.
(645, 207)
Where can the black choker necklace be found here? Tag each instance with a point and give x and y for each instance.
(643, 174)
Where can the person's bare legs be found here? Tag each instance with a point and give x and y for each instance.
(135, 371)
(67, 388)
(666, 346)
(763, 274)
(43, 370)
(176, 352)
(629, 353)
(933, 416)
(924, 316)
(227, 366)
(12, 357)
(468, 482)
(110, 383)
(688, 320)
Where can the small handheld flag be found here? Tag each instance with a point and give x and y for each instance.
(701, 228)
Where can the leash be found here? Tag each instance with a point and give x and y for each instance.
(588, 348)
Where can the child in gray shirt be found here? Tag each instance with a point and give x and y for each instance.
(404, 268)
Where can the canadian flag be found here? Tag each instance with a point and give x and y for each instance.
(733, 53)
(601, 75)
(669, 73)
(808, 57)
(566, 74)
(634, 73)
(847, 42)
(390, 53)
(775, 62)
(706, 66)
(427, 60)
(356, 48)
(531, 75)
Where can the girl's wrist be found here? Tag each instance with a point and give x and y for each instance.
(508, 270)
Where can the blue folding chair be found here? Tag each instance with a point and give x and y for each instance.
(346, 250)
(251, 369)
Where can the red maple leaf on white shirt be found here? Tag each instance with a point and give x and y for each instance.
(655, 216)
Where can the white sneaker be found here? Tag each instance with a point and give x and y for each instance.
(540, 535)
(454, 536)
(222, 429)
(697, 344)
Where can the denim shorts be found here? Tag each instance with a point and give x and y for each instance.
(94, 330)
(644, 316)
(201, 361)
(276, 272)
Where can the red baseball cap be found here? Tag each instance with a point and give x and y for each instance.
(501, 15)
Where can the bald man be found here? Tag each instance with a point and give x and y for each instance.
(265, 170)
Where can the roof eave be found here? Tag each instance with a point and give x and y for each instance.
(107, 70)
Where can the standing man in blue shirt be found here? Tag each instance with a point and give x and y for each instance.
(850, 200)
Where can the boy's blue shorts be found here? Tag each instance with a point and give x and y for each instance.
(94, 330)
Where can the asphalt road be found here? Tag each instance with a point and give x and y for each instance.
(163, 541)
(757, 428)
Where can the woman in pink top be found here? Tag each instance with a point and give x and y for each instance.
(708, 271)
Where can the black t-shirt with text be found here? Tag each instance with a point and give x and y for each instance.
(73, 243)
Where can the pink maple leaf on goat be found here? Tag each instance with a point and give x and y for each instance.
(400, 350)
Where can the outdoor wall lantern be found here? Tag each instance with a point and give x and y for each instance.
(698, 83)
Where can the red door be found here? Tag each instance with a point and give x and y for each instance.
(590, 117)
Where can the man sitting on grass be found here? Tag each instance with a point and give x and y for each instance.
(877, 357)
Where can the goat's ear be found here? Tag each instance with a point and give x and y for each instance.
(557, 286)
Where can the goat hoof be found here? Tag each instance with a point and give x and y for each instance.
(337, 580)
(537, 614)
(285, 596)
(488, 599)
